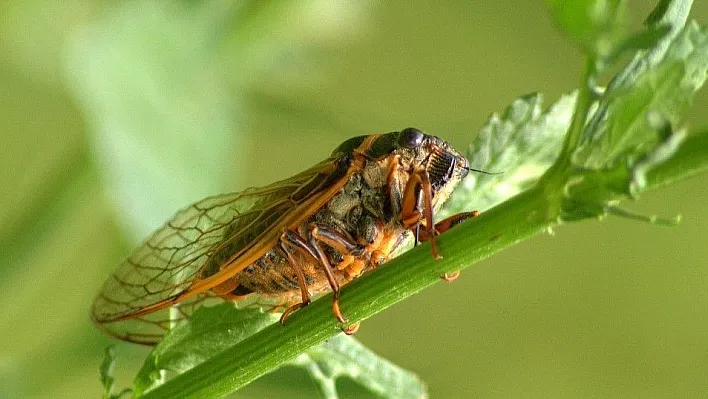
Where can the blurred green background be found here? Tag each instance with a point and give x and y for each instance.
(115, 114)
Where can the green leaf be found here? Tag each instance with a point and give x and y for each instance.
(638, 41)
(630, 130)
(518, 146)
(620, 130)
(344, 356)
(106, 371)
(689, 160)
(209, 331)
(674, 16)
(658, 13)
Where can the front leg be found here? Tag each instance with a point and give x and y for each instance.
(446, 224)
(442, 227)
(419, 184)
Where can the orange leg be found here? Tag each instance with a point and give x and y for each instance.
(442, 227)
(410, 214)
(450, 277)
(419, 183)
(351, 329)
(428, 212)
(318, 234)
(447, 224)
(294, 241)
(343, 243)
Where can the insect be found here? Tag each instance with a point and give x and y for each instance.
(289, 241)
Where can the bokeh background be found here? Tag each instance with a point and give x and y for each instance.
(115, 114)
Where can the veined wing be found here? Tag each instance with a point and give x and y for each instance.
(201, 246)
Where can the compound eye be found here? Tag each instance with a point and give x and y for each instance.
(411, 137)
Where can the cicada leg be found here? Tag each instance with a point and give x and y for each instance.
(442, 227)
(317, 234)
(347, 247)
(351, 329)
(339, 241)
(287, 241)
(413, 219)
(450, 277)
(418, 183)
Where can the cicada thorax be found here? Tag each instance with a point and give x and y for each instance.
(357, 230)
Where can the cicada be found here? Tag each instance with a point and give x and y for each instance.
(289, 241)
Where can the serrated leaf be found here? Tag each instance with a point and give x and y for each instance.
(344, 356)
(620, 130)
(209, 331)
(674, 16)
(520, 145)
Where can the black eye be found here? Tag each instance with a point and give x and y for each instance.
(410, 137)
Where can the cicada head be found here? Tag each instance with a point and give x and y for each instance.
(445, 166)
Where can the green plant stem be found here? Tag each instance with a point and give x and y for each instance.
(517, 219)
(580, 116)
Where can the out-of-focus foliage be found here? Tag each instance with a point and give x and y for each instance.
(595, 24)
(86, 86)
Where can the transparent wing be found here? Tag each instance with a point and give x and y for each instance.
(200, 242)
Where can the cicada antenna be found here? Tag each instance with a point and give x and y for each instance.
(482, 171)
